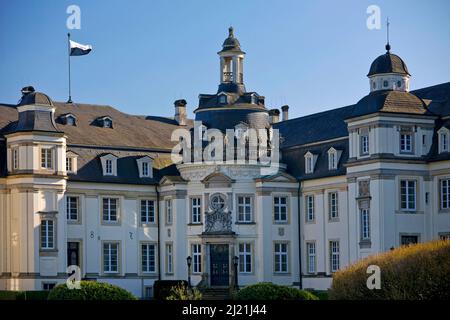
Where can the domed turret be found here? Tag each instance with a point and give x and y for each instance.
(388, 72)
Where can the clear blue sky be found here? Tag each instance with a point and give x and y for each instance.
(312, 55)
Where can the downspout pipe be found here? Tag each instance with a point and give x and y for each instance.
(299, 237)
(159, 232)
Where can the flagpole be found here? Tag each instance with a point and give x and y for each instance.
(68, 44)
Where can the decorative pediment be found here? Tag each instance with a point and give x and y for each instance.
(217, 180)
(278, 177)
(171, 180)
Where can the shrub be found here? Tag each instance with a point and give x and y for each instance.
(270, 291)
(90, 290)
(415, 272)
(162, 288)
(183, 292)
(33, 295)
(9, 295)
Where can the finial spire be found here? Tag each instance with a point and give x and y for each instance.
(230, 32)
(388, 46)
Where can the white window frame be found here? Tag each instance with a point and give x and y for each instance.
(244, 209)
(334, 251)
(364, 144)
(15, 158)
(169, 258)
(109, 209)
(70, 210)
(407, 207)
(444, 190)
(281, 250)
(108, 248)
(147, 210)
(365, 223)
(196, 210)
(311, 259)
(69, 164)
(406, 142)
(245, 254)
(443, 139)
(310, 208)
(147, 257)
(333, 205)
(47, 234)
(108, 167)
(145, 169)
(47, 161)
(277, 209)
(196, 252)
(168, 211)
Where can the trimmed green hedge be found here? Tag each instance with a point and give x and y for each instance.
(90, 290)
(24, 295)
(415, 272)
(270, 291)
(162, 289)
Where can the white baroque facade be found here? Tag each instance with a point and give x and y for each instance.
(87, 185)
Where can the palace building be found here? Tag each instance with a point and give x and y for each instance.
(90, 186)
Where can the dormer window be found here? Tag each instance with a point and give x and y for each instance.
(68, 119)
(108, 169)
(71, 162)
(443, 137)
(222, 99)
(105, 122)
(310, 161)
(145, 165)
(109, 164)
(71, 121)
(333, 158)
(254, 99)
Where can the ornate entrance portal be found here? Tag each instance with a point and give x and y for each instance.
(219, 264)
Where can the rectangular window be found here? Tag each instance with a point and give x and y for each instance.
(111, 257)
(196, 210)
(444, 236)
(311, 256)
(72, 208)
(281, 257)
(333, 206)
(108, 168)
(47, 158)
(365, 224)
(309, 200)
(169, 217)
(409, 239)
(408, 195)
(244, 207)
(245, 258)
(196, 250)
(444, 142)
(445, 194)
(15, 156)
(147, 211)
(364, 144)
(332, 160)
(69, 164)
(309, 164)
(47, 286)
(334, 256)
(148, 257)
(406, 142)
(280, 209)
(145, 171)
(169, 258)
(47, 234)
(110, 210)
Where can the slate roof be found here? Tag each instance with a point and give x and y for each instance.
(388, 63)
(392, 102)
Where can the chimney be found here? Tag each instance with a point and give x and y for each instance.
(274, 116)
(285, 110)
(180, 112)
